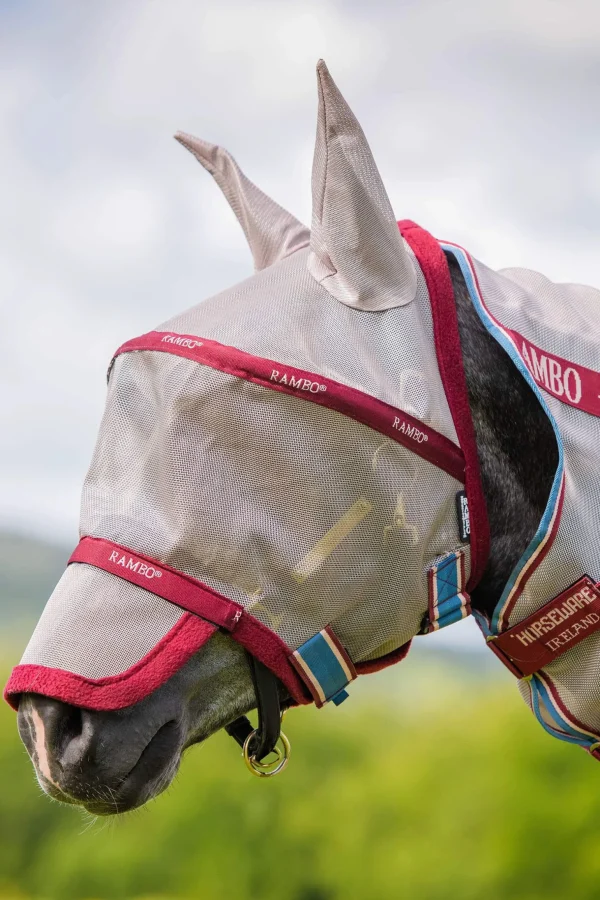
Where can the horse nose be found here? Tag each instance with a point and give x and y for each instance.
(106, 761)
(59, 738)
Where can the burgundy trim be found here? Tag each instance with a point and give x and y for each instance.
(273, 652)
(577, 723)
(197, 598)
(394, 423)
(504, 659)
(374, 665)
(186, 637)
(449, 355)
(172, 652)
(341, 650)
(159, 579)
(535, 561)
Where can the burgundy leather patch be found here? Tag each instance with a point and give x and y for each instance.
(559, 625)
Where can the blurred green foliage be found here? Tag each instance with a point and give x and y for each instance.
(429, 785)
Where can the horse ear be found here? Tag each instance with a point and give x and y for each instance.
(356, 251)
(271, 232)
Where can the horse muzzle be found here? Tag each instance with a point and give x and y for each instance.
(88, 758)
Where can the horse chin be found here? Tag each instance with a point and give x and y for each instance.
(150, 776)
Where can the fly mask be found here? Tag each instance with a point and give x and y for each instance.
(281, 461)
(293, 462)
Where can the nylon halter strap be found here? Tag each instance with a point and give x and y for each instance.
(260, 742)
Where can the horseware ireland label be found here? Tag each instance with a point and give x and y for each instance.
(556, 627)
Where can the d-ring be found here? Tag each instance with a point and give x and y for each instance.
(266, 770)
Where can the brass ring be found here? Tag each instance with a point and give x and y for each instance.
(266, 770)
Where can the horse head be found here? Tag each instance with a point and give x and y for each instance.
(271, 508)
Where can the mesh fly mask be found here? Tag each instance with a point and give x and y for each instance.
(293, 462)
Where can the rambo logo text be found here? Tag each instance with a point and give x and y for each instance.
(127, 562)
(298, 382)
(568, 381)
(410, 431)
(190, 343)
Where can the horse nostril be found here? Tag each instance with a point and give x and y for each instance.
(52, 731)
(69, 727)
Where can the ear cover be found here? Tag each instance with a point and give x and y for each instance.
(356, 251)
(271, 231)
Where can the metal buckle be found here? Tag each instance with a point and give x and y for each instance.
(277, 765)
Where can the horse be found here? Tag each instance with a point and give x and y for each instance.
(113, 755)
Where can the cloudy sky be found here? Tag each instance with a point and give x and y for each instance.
(483, 117)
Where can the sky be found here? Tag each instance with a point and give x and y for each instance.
(483, 119)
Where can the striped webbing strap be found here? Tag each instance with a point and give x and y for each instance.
(448, 601)
(325, 667)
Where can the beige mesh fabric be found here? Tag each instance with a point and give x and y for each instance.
(356, 252)
(98, 625)
(272, 232)
(303, 515)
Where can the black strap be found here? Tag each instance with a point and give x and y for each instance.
(266, 687)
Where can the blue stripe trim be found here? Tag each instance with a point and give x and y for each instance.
(572, 735)
(482, 622)
(450, 605)
(324, 665)
(507, 344)
(454, 615)
(446, 580)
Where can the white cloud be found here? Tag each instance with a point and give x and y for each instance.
(108, 224)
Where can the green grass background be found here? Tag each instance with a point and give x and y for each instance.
(433, 781)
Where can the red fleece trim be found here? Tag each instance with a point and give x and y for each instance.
(374, 665)
(449, 355)
(273, 652)
(394, 423)
(186, 637)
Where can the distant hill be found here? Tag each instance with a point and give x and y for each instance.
(29, 570)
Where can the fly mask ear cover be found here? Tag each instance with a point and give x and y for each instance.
(281, 466)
